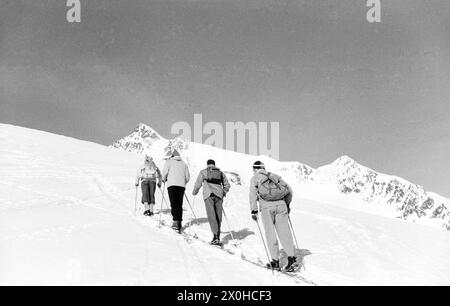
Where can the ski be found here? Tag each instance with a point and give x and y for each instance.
(218, 245)
(190, 238)
(294, 275)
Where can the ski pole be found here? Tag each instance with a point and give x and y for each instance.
(228, 224)
(293, 232)
(166, 204)
(190, 222)
(192, 215)
(135, 201)
(162, 200)
(189, 203)
(192, 212)
(264, 243)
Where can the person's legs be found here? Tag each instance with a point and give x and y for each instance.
(145, 192)
(145, 195)
(283, 230)
(152, 189)
(180, 196)
(268, 220)
(211, 213)
(176, 194)
(219, 211)
(172, 198)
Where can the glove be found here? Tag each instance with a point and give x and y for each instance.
(255, 215)
(288, 209)
(159, 185)
(137, 185)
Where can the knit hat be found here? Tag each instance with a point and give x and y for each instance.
(258, 165)
(210, 162)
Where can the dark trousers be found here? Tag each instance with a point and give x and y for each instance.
(176, 194)
(148, 192)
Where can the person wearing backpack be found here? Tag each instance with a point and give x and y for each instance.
(274, 196)
(215, 187)
(176, 174)
(149, 176)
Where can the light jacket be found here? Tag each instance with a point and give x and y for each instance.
(258, 178)
(175, 172)
(148, 172)
(209, 188)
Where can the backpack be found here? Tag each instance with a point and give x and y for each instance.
(214, 176)
(272, 188)
(149, 173)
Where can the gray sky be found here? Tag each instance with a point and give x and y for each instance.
(379, 93)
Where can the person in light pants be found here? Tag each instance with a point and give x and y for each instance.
(275, 218)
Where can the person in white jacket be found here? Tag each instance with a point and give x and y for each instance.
(176, 175)
(149, 176)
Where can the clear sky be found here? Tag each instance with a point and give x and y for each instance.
(379, 93)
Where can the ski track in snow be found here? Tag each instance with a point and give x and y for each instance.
(66, 217)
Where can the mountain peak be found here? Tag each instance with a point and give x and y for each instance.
(145, 131)
(344, 160)
(143, 136)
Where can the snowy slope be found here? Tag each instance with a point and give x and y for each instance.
(66, 218)
(341, 182)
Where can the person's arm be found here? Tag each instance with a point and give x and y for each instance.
(165, 172)
(158, 177)
(187, 174)
(226, 184)
(198, 183)
(288, 198)
(253, 195)
(138, 177)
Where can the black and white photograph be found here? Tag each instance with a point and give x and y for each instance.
(207, 146)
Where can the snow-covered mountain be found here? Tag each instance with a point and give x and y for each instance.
(407, 200)
(411, 201)
(145, 139)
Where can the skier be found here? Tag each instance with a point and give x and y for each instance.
(149, 176)
(215, 187)
(274, 197)
(176, 174)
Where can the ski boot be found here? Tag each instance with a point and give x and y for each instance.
(274, 265)
(147, 213)
(176, 226)
(151, 209)
(291, 265)
(216, 240)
